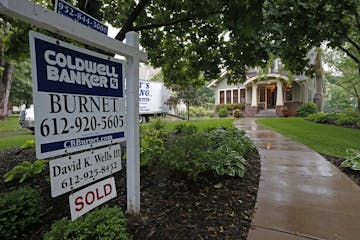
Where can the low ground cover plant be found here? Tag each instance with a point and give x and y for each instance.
(25, 170)
(19, 210)
(352, 159)
(100, 224)
(189, 151)
(223, 112)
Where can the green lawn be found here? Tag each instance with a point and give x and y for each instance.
(202, 123)
(325, 139)
(11, 135)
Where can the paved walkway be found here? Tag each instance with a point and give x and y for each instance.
(301, 195)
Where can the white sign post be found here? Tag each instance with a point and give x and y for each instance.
(36, 15)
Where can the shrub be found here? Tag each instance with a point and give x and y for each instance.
(305, 109)
(152, 138)
(100, 224)
(348, 117)
(228, 149)
(227, 162)
(186, 151)
(230, 107)
(319, 117)
(237, 113)
(352, 159)
(223, 112)
(19, 210)
(197, 111)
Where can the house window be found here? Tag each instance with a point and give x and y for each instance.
(242, 96)
(228, 96)
(289, 93)
(235, 96)
(262, 94)
(222, 97)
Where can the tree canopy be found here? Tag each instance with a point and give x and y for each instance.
(213, 35)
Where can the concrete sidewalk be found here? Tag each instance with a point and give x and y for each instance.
(301, 195)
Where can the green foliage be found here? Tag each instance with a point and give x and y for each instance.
(322, 117)
(186, 151)
(348, 117)
(223, 112)
(152, 138)
(28, 144)
(238, 113)
(228, 149)
(352, 159)
(21, 87)
(26, 170)
(228, 162)
(230, 107)
(305, 109)
(19, 210)
(197, 112)
(101, 224)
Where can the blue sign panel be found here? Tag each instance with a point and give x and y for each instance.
(78, 97)
(79, 16)
(69, 71)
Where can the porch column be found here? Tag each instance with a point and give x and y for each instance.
(254, 95)
(279, 94)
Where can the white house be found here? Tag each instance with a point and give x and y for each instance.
(268, 94)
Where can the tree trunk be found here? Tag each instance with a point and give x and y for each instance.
(5, 87)
(187, 110)
(358, 105)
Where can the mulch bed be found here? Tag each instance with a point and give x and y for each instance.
(212, 207)
(354, 175)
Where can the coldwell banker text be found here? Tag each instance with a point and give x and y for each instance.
(69, 69)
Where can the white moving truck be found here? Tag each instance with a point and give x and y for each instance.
(153, 98)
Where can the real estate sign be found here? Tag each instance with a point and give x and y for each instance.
(71, 172)
(78, 97)
(90, 197)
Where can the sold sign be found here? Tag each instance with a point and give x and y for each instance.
(89, 198)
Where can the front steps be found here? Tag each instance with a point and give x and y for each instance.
(266, 113)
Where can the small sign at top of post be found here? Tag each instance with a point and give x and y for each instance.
(67, 10)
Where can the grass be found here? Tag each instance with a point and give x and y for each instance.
(202, 123)
(324, 139)
(11, 135)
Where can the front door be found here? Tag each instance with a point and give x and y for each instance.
(270, 97)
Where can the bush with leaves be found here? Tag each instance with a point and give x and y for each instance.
(237, 113)
(25, 170)
(225, 161)
(348, 117)
(352, 159)
(186, 151)
(19, 210)
(305, 109)
(223, 112)
(100, 224)
(152, 137)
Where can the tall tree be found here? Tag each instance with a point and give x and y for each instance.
(344, 74)
(13, 48)
(21, 89)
